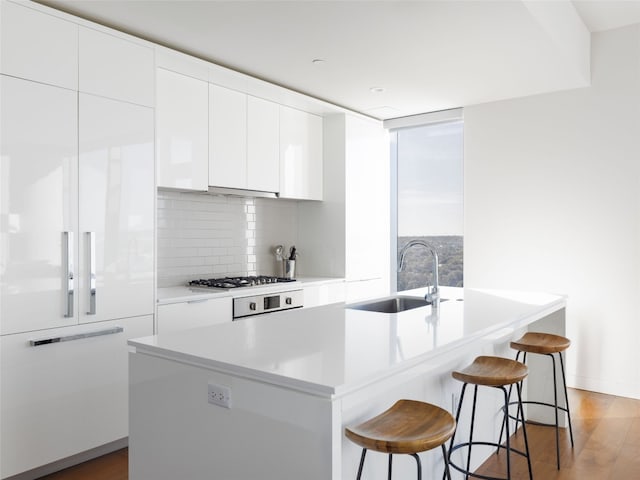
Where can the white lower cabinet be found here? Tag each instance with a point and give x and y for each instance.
(316, 295)
(365, 289)
(64, 397)
(173, 317)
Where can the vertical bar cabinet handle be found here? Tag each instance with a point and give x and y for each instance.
(91, 272)
(67, 254)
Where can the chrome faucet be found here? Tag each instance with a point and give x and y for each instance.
(433, 291)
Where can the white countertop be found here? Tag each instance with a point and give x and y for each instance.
(331, 350)
(178, 294)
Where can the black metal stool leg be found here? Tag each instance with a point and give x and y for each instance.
(506, 405)
(524, 430)
(445, 457)
(506, 410)
(473, 422)
(364, 452)
(418, 464)
(448, 457)
(566, 397)
(390, 465)
(555, 400)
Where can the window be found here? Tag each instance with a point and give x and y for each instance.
(429, 199)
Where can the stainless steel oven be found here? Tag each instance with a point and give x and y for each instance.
(266, 303)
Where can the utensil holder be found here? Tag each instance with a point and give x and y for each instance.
(289, 267)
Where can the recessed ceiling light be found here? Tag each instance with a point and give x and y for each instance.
(376, 89)
(317, 61)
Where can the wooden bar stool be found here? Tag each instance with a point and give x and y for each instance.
(495, 372)
(550, 345)
(408, 427)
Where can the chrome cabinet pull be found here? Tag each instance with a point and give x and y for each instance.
(91, 272)
(67, 259)
(76, 336)
(198, 301)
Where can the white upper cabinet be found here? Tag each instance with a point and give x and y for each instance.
(37, 46)
(38, 171)
(116, 68)
(300, 154)
(116, 209)
(263, 145)
(182, 118)
(243, 141)
(227, 138)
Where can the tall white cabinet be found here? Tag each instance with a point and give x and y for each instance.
(77, 197)
(116, 207)
(347, 235)
(38, 141)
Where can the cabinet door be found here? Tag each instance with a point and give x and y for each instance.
(198, 313)
(38, 172)
(227, 138)
(182, 129)
(60, 399)
(300, 155)
(116, 207)
(366, 199)
(316, 295)
(263, 145)
(38, 46)
(116, 68)
(365, 289)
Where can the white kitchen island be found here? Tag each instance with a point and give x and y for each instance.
(296, 378)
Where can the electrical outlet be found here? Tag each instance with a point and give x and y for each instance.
(219, 395)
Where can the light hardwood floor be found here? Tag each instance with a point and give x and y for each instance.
(606, 431)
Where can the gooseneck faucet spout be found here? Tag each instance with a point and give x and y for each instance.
(433, 292)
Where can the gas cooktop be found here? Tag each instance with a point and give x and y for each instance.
(236, 282)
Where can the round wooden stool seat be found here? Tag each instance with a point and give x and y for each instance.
(409, 426)
(543, 343)
(492, 372)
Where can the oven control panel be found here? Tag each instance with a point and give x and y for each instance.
(266, 303)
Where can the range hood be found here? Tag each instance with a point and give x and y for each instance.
(238, 192)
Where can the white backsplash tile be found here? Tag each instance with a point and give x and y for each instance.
(205, 236)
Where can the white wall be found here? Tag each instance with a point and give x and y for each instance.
(552, 202)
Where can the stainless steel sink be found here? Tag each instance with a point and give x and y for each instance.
(393, 304)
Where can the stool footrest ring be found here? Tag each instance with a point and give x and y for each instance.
(487, 444)
(534, 422)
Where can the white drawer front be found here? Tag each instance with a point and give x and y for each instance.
(200, 313)
(60, 399)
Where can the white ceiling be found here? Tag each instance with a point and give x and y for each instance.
(427, 55)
